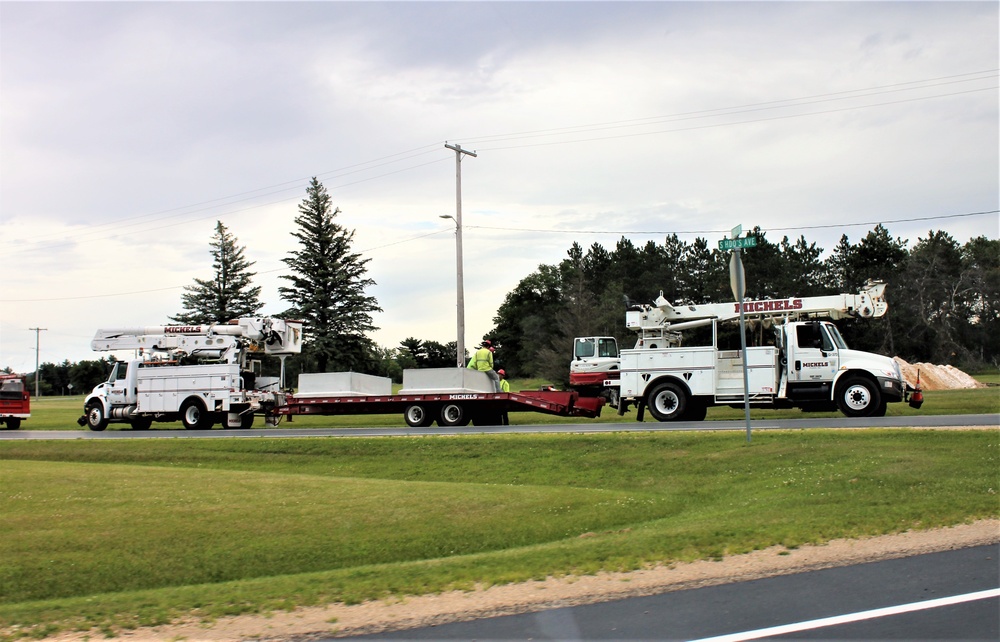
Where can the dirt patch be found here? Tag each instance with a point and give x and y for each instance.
(456, 606)
(933, 377)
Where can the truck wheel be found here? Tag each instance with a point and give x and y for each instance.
(417, 416)
(668, 402)
(96, 419)
(246, 421)
(697, 411)
(141, 423)
(452, 414)
(194, 416)
(859, 397)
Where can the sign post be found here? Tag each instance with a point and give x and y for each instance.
(737, 280)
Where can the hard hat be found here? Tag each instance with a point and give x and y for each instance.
(487, 343)
(501, 372)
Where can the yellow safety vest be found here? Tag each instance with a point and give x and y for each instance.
(482, 360)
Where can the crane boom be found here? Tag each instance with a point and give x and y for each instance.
(868, 303)
(270, 335)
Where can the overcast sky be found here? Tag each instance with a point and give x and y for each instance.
(127, 129)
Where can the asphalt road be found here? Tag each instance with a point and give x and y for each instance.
(952, 595)
(922, 421)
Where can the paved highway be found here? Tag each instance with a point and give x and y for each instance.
(952, 595)
(922, 421)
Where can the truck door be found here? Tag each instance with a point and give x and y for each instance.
(813, 357)
(121, 391)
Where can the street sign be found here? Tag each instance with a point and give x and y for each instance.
(733, 244)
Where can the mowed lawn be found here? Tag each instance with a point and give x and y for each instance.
(61, 413)
(114, 535)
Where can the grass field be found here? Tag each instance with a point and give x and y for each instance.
(108, 535)
(61, 413)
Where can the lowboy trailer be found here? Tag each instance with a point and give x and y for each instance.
(449, 396)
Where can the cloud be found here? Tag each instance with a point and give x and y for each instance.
(129, 128)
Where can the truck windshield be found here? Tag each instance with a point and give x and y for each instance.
(585, 348)
(835, 336)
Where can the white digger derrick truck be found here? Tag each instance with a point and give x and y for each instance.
(805, 362)
(198, 374)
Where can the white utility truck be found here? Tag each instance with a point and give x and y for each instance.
(802, 363)
(198, 374)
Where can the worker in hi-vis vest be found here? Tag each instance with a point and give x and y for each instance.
(504, 384)
(482, 360)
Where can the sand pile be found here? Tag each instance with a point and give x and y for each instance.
(934, 377)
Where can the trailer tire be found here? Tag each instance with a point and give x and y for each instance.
(859, 397)
(453, 414)
(417, 416)
(13, 423)
(141, 423)
(97, 419)
(194, 416)
(668, 402)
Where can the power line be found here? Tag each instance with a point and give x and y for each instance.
(109, 230)
(769, 229)
(536, 230)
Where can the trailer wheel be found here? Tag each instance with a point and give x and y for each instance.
(141, 423)
(859, 397)
(417, 416)
(96, 419)
(453, 414)
(13, 423)
(668, 402)
(194, 416)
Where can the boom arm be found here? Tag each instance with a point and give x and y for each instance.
(866, 304)
(270, 335)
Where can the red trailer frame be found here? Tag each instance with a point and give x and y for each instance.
(448, 409)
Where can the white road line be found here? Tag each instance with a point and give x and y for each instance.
(853, 617)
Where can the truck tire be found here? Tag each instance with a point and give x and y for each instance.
(417, 416)
(246, 421)
(668, 402)
(97, 420)
(697, 410)
(141, 423)
(859, 397)
(194, 416)
(453, 414)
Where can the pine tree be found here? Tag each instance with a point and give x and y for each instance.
(230, 294)
(327, 288)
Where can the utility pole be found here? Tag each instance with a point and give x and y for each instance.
(38, 332)
(460, 348)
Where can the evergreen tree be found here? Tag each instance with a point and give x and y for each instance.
(227, 296)
(327, 288)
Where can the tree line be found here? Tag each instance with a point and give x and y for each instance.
(944, 298)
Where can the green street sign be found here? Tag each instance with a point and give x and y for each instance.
(732, 244)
